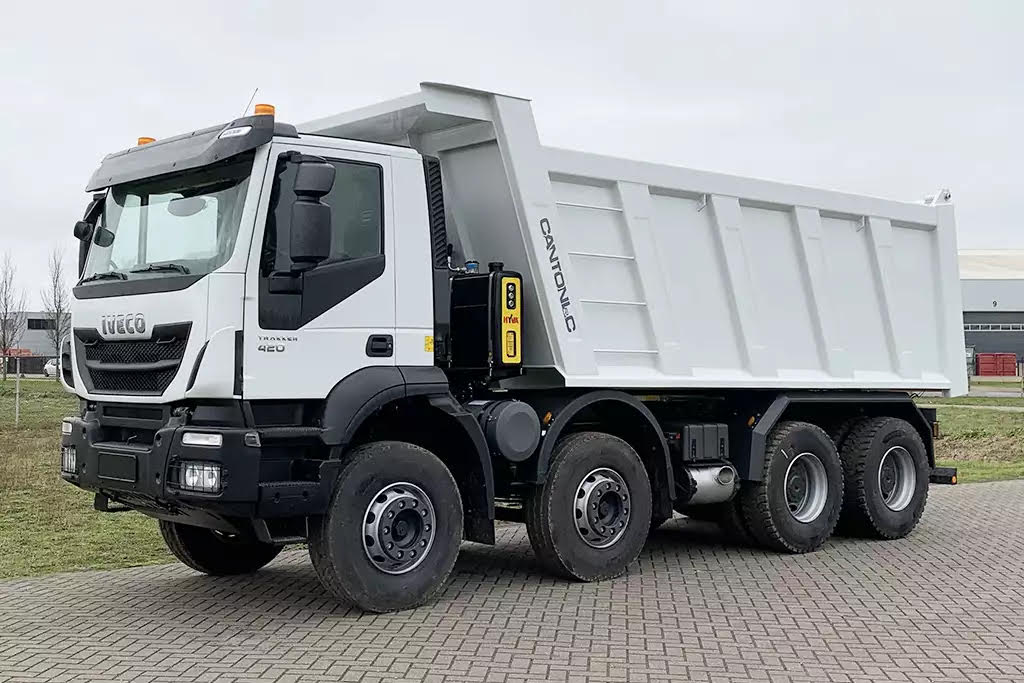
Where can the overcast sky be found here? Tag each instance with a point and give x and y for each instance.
(895, 99)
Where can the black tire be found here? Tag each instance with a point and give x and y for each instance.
(214, 553)
(336, 540)
(551, 508)
(865, 511)
(842, 430)
(769, 515)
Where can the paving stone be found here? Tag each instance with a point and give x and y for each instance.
(945, 604)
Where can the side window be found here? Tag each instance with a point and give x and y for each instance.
(357, 211)
(357, 214)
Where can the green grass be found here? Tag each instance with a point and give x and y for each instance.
(1010, 384)
(1012, 401)
(984, 445)
(46, 524)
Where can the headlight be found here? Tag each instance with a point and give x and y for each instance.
(68, 459)
(65, 428)
(200, 439)
(204, 477)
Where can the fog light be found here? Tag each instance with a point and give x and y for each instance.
(65, 428)
(68, 459)
(200, 439)
(200, 476)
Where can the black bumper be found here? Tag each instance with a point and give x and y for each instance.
(146, 477)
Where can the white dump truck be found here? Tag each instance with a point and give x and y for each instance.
(379, 332)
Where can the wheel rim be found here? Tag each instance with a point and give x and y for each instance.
(398, 528)
(806, 487)
(602, 507)
(897, 478)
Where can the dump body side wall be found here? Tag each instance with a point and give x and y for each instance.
(682, 284)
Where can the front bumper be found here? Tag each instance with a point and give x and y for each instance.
(255, 481)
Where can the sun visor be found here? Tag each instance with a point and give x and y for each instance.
(184, 152)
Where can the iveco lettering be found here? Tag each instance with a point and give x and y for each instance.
(367, 335)
(125, 323)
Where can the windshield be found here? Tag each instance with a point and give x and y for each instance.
(166, 227)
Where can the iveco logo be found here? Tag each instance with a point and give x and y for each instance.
(125, 323)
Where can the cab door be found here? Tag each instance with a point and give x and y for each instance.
(306, 331)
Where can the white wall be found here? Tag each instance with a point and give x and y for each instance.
(993, 295)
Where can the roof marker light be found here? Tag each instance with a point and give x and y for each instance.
(235, 132)
(263, 110)
(145, 140)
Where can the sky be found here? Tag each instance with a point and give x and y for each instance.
(894, 99)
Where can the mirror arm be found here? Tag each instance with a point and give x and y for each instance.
(285, 282)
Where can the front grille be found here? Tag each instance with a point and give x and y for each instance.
(146, 366)
(116, 382)
(149, 351)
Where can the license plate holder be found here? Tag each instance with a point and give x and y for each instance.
(118, 467)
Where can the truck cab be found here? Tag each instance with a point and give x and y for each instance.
(179, 259)
(253, 303)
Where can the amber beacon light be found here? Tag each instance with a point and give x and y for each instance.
(263, 110)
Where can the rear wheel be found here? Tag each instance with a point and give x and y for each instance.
(590, 518)
(216, 553)
(885, 466)
(392, 531)
(795, 506)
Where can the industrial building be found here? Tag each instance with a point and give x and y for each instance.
(34, 346)
(992, 282)
(34, 339)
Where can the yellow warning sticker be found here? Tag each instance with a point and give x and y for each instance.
(428, 343)
(511, 321)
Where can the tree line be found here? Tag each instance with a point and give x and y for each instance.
(13, 303)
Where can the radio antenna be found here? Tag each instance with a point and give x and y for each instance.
(249, 104)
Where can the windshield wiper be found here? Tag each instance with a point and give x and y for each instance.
(117, 275)
(162, 266)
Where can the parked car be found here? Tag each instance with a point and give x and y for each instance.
(51, 369)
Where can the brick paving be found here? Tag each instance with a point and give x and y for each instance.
(945, 604)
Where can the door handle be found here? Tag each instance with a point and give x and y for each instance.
(380, 346)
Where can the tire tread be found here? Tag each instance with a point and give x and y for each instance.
(319, 537)
(856, 518)
(538, 516)
(242, 559)
(754, 503)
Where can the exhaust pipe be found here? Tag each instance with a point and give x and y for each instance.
(711, 484)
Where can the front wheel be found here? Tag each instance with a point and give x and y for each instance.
(391, 534)
(215, 553)
(590, 518)
(795, 506)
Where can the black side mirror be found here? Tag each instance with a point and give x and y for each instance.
(83, 231)
(311, 218)
(85, 228)
(104, 238)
